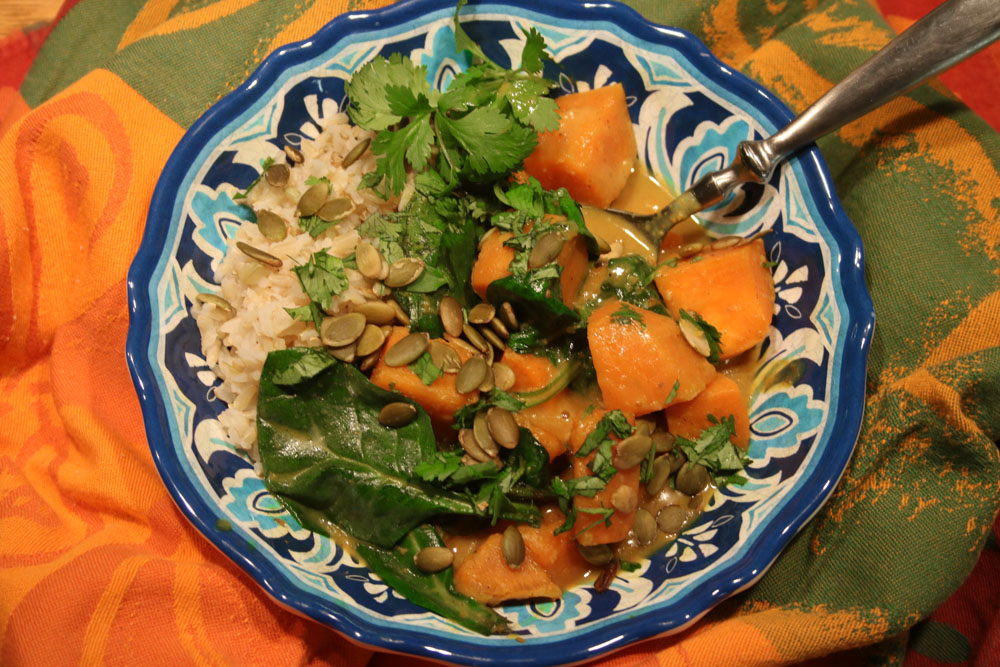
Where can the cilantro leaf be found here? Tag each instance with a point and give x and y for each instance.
(314, 225)
(494, 142)
(712, 334)
(313, 180)
(531, 107)
(307, 313)
(322, 277)
(714, 449)
(425, 369)
(369, 90)
(625, 315)
(533, 56)
(613, 422)
(440, 468)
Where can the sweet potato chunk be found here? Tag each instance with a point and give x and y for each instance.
(721, 398)
(592, 152)
(492, 262)
(486, 577)
(731, 289)
(439, 399)
(640, 356)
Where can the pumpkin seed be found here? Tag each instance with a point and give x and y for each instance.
(625, 499)
(677, 459)
(690, 249)
(277, 175)
(481, 430)
(370, 340)
(463, 345)
(546, 249)
(598, 554)
(644, 427)
(271, 226)
(313, 198)
(492, 338)
(488, 355)
(508, 316)
(217, 301)
(503, 427)
(644, 527)
(474, 337)
(725, 242)
(369, 362)
(345, 353)
(433, 559)
(369, 260)
(471, 375)
(481, 313)
(663, 441)
(632, 451)
(499, 327)
(512, 547)
(488, 383)
(407, 349)
(671, 518)
(256, 254)
(692, 479)
(335, 209)
(503, 376)
(452, 318)
(342, 329)
(376, 312)
(401, 315)
(397, 414)
(444, 356)
(661, 473)
(356, 152)
(294, 154)
(695, 336)
(467, 439)
(404, 271)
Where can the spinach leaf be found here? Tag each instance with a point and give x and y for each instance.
(329, 460)
(435, 592)
(536, 302)
(630, 280)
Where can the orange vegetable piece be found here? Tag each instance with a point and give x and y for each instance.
(731, 289)
(573, 258)
(492, 262)
(638, 364)
(721, 398)
(593, 151)
(552, 422)
(590, 529)
(556, 554)
(485, 576)
(439, 399)
(531, 372)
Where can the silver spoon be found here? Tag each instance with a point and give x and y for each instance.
(942, 38)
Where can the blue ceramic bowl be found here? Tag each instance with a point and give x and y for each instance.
(691, 111)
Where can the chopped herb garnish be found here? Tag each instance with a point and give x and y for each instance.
(313, 180)
(673, 393)
(314, 225)
(769, 265)
(715, 450)
(425, 369)
(322, 278)
(264, 164)
(626, 315)
(308, 313)
(712, 334)
(628, 566)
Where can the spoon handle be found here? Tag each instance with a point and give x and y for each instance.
(948, 34)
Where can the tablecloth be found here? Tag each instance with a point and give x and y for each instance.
(97, 566)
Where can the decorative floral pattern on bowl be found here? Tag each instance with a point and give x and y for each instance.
(690, 112)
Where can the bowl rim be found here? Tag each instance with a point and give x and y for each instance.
(606, 637)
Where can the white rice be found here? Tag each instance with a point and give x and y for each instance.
(235, 347)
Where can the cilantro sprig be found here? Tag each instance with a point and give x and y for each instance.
(714, 449)
(480, 129)
(712, 334)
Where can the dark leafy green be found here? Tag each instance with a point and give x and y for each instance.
(327, 457)
(714, 449)
(435, 592)
(630, 280)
